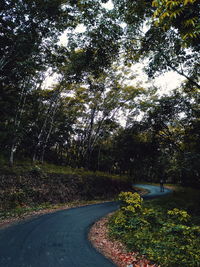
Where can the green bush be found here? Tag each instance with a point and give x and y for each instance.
(36, 170)
(167, 238)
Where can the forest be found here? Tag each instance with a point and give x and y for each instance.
(96, 115)
(82, 120)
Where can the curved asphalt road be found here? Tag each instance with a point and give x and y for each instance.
(154, 191)
(58, 239)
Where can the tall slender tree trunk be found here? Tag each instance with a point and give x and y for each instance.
(49, 133)
(17, 122)
(98, 160)
(11, 157)
(37, 155)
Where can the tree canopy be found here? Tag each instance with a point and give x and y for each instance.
(97, 115)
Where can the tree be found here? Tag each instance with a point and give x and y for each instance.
(28, 31)
(183, 15)
(134, 152)
(163, 47)
(28, 39)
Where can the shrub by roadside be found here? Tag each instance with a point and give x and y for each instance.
(169, 238)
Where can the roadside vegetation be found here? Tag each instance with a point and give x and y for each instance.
(27, 188)
(165, 230)
(100, 125)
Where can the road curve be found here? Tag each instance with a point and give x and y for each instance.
(56, 240)
(154, 191)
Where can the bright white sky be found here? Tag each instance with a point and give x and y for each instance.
(165, 83)
(108, 5)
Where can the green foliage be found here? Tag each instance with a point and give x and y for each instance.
(178, 215)
(77, 121)
(182, 14)
(183, 198)
(32, 186)
(36, 170)
(130, 202)
(163, 44)
(168, 238)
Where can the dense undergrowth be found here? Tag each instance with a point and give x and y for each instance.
(165, 230)
(25, 187)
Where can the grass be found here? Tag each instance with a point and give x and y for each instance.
(24, 167)
(27, 188)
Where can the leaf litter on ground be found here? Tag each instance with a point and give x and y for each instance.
(115, 250)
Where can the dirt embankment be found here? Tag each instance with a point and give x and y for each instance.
(55, 188)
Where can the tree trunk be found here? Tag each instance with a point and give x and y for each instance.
(11, 158)
(49, 132)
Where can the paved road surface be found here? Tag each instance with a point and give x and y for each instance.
(56, 240)
(154, 191)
